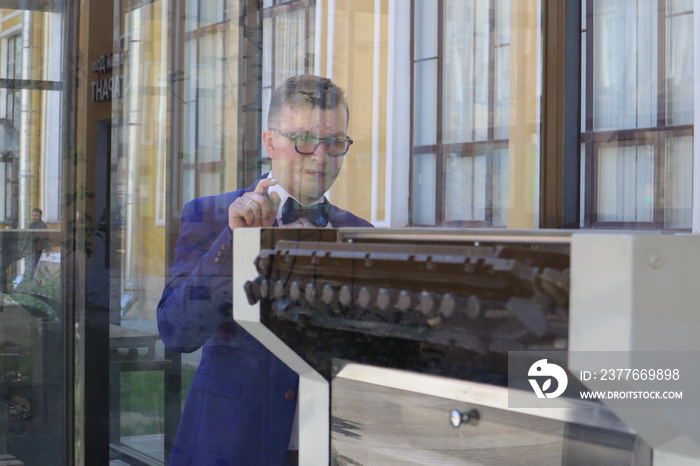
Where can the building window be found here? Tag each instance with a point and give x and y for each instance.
(8, 194)
(13, 70)
(207, 85)
(637, 125)
(288, 46)
(461, 92)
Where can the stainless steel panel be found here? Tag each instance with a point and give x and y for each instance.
(375, 424)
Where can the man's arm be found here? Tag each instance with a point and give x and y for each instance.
(197, 298)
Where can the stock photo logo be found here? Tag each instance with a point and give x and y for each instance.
(543, 373)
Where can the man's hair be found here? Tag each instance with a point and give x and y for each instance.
(36, 209)
(305, 90)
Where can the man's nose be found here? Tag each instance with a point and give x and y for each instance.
(320, 151)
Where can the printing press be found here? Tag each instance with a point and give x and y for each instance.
(401, 339)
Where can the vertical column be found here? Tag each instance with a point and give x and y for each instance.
(25, 122)
(523, 149)
(250, 91)
(92, 313)
(560, 188)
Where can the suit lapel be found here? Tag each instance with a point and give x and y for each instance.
(337, 217)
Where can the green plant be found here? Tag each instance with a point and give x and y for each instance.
(42, 291)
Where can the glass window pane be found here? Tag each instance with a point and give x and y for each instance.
(678, 197)
(488, 51)
(210, 182)
(213, 11)
(210, 89)
(679, 66)
(424, 190)
(629, 57)
(425, 103)
(290, 51)
(467, 78)
(678, 7)
(267, 59)
(426, 13)
(625, 67)
(191, 17)
(476, 187)
(502, 51)
(34, 328)
(499, 202)
(466, 183)
(626, 184)
(141, 161)
(311, 42)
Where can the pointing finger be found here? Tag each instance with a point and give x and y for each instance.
(271, 212)
(263, 184)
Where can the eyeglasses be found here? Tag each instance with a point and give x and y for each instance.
(306, 144)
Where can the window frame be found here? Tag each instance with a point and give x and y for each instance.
(655, 136)
(442, 149)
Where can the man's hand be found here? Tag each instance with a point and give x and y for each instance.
(254, 209)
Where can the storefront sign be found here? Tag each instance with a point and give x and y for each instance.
(107, 88)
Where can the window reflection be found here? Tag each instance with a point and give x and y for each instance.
(626, 188)
(476, 188)
(462, 105)
(32, 333)
(639, 133)
(136, 142)
(290, 42)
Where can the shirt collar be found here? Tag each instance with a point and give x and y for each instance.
(284, 195)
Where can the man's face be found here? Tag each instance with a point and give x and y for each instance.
(306, 177)
(36, 216)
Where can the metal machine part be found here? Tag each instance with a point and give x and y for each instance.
(638, 293)
(425, 308)
(448, 308)
(386, 416)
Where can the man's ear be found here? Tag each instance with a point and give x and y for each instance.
(268, 138)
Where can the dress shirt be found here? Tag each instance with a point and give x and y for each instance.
(284, 195)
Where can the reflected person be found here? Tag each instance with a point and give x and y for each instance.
(241, 405)
(37, 224)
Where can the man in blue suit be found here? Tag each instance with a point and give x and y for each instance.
(240, 407)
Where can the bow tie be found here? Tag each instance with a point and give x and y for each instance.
(316, 213)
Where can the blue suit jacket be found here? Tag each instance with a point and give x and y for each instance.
(240, 408)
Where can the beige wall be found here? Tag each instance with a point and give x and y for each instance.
(523, 146)
(353, 56)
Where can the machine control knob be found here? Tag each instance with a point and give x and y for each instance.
(252, 292)
(427, 303)
(473, 307)
(383, 299)
(264, 289)
(296, 291)
(310, 292)
(447, 305)
(403, 302)
(457, 417)
(364, 297)
(345, 296)
(328, 294)
(279, 289)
